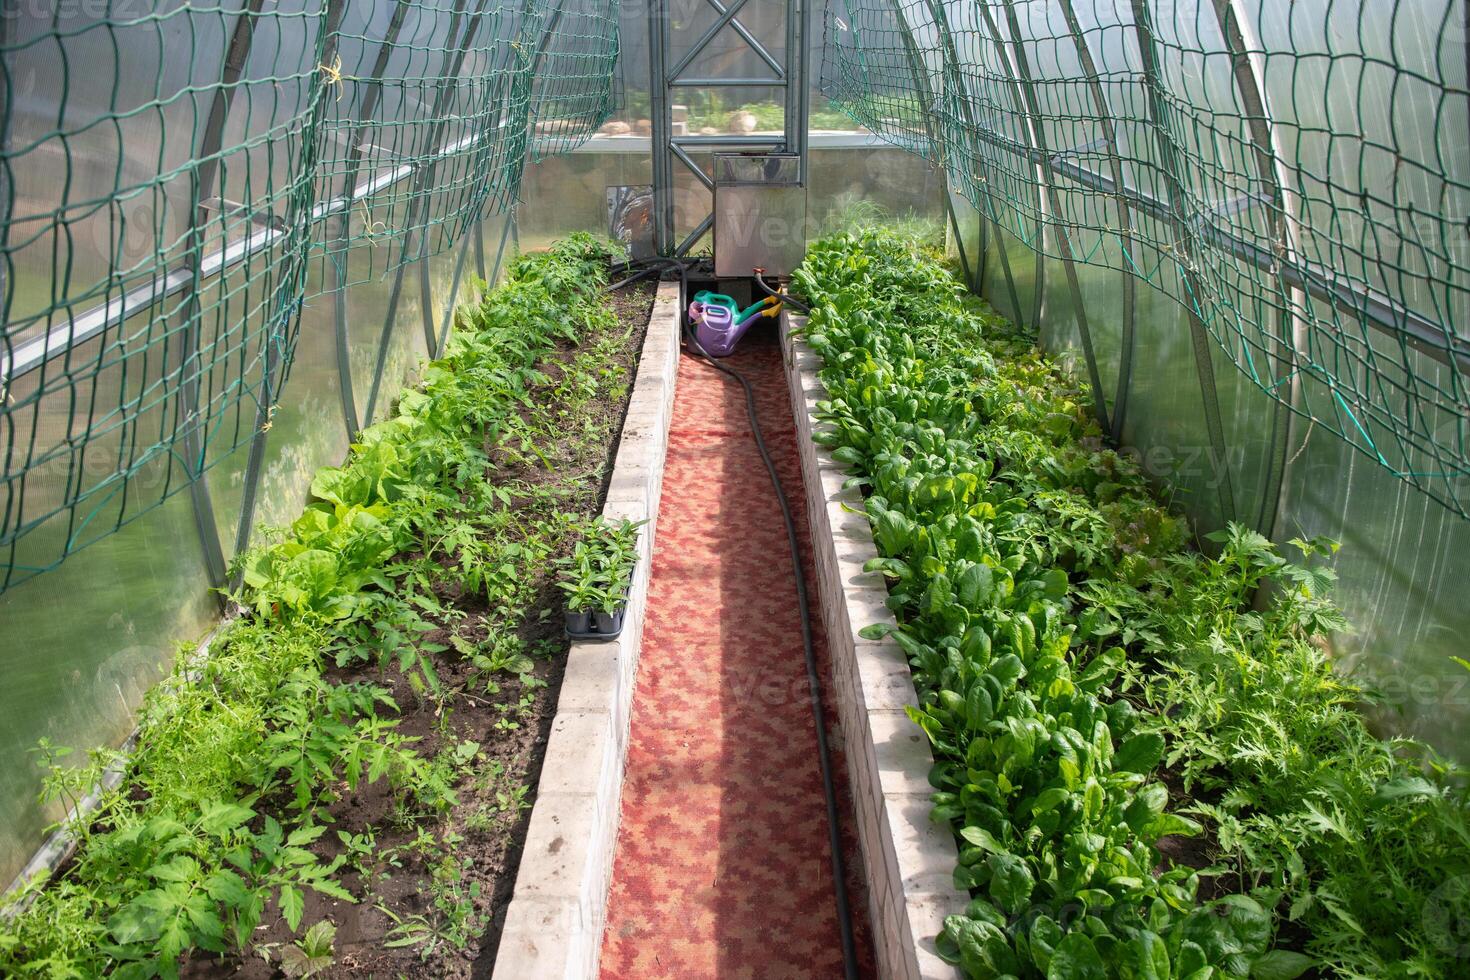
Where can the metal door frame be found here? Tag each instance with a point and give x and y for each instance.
(666, 147)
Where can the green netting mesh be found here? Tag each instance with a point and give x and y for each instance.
(888, 86)
(576, 57)
(170, 174)
(1296, 175)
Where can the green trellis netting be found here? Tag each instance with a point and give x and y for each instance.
(1296, 175)
(571, 91)
(177, 179)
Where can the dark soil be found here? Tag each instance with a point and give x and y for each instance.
(511, 724)
(1198, 852)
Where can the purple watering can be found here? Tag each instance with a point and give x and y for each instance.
(718, 325)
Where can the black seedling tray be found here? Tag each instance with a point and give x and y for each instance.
(594, 633)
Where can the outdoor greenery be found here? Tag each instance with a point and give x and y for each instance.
(708, 110)
(1149, 763)
(407, 559)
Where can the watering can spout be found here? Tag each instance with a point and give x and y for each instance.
(760, 308)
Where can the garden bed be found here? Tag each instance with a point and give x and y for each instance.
(1147, 761)
(553, 927)
(361, 747)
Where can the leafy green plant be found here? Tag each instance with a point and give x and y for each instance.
(453, 917)
(313, 954)
(597, 574)
(217, 822)
(1069, 651)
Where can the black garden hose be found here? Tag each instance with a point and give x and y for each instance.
(760, 280)
(656, 265)
(824, 759)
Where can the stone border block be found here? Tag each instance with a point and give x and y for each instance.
(909, 861)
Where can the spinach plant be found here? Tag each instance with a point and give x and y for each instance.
(1094, 689)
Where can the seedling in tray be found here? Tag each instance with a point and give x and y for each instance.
(596, 577)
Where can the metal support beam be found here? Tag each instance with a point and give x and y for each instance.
(794, 119)
(727, 83)
(683, 157)
(920, 76)
(480, 252)
(961, 94)
(698, 46)
(420, 204)
(751, 40)
(441, 334)
(1376, 309)
(1005, 268)
(507, 232)
(1125, 218)
(454, 56)
(464, 251)
(658, 102)
(1184, 258)
(1018, 88)
(339, 263)
(1247, 62)
(729, 142)
(1021, 69)
(692, 239)
(274, 346)
(663, 80)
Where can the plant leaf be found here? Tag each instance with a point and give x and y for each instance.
(1280, 964)
(293, 904)
(1140, 754)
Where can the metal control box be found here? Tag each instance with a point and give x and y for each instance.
(760, 213)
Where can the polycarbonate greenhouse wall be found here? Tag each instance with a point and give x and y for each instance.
(232, 230)
(1248, 222)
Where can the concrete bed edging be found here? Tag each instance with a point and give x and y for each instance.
(908, 860)
(553, 925)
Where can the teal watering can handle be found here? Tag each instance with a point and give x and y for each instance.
(715, 299)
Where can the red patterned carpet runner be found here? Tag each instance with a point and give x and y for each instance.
(722, 866)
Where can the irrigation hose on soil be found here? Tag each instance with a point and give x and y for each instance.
(657, 266)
